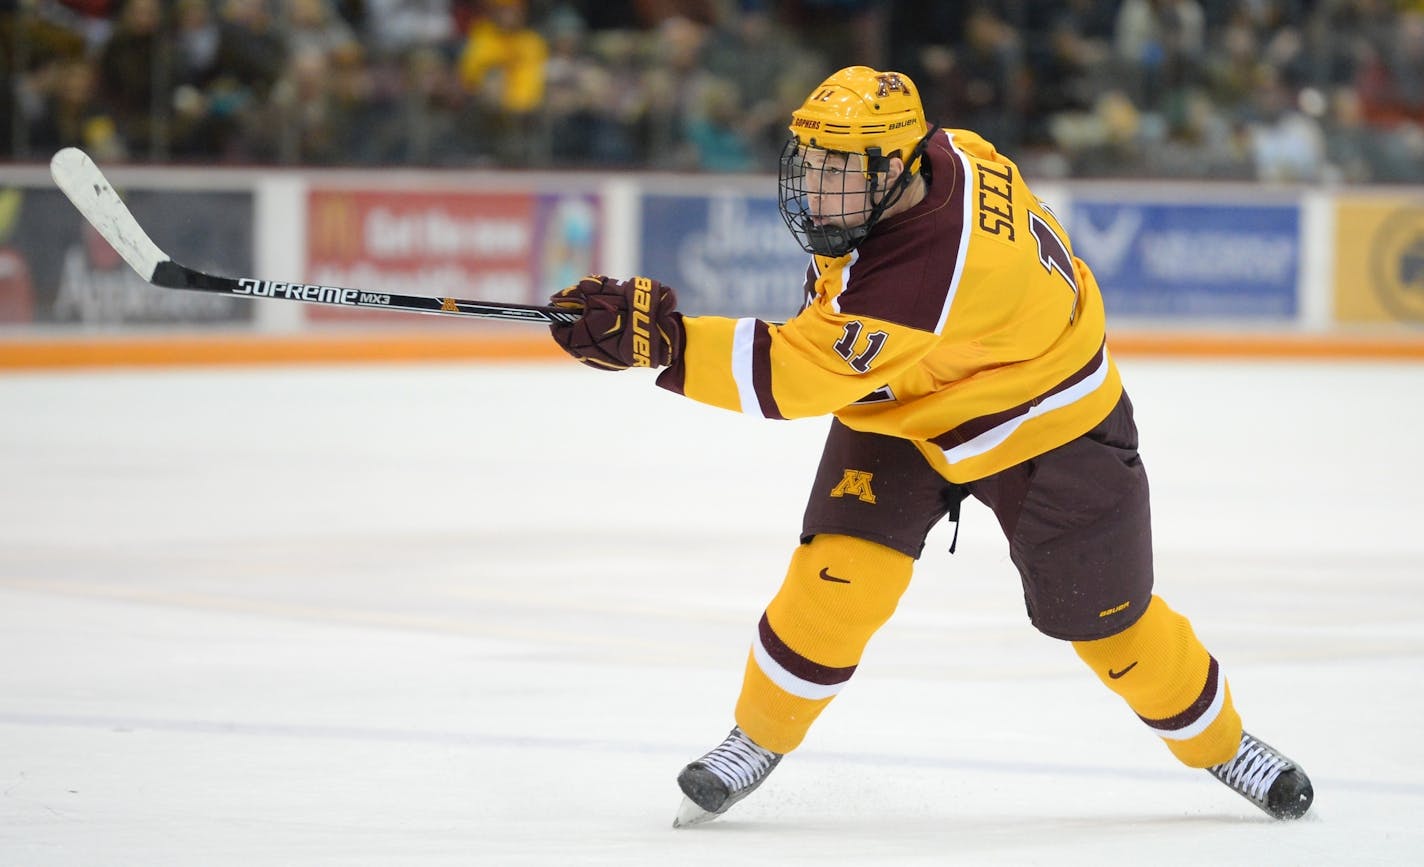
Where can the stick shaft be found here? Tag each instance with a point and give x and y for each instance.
(171, 275)
(80, 179)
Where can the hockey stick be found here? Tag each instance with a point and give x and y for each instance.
(77, 176)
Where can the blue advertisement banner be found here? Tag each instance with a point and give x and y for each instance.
(725, 254)
(1191, 260)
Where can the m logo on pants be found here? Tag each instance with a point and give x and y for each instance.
(855, 483)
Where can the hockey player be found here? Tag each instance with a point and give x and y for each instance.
(960, 347)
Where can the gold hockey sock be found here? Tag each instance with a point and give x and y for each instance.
(838, 591)
(1160, 667)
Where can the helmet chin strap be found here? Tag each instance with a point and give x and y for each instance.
(832, 241)
(836, 241)
(902, 183)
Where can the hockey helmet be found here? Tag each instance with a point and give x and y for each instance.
(858, 119)
(862, 111)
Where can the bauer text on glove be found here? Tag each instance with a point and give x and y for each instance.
(625, 323)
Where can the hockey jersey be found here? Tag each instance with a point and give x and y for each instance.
(964, 324)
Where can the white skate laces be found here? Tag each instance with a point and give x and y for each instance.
(738, 762)
(722, 777)
(1266, 778)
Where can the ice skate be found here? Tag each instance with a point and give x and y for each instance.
(721, 778)
(1267, 779)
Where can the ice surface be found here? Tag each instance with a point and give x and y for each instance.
(483, 614)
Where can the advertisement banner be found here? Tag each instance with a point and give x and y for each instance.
(1180, 260)
(1379, 260)
(726, 254)
(54, 268)
(506, 247)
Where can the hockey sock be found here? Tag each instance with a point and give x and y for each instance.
(838, 591)
(1160, 667)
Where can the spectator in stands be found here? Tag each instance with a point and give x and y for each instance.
(1351, 145)
(674, 83)
(73, 114)
(1062, 79)
(198, 129)
(993, 79)
(1161, 43)
(716, 128)
(195, 44)
(1286, 144)
(640, 81)
(30, 50)
(353, 12)
(577, 90)
(1338, 33)
(845, 28)
(129, 77)
(91, 20)
(418, 123)
(361, 116)
(1184, 40)
(1106, 142)
(1137, 44)
(218, 114)
(394, 27)
(251, 51)
(502, 67)
(1406, 63)
(1231, 70)
(769, 72)
(622, 100)
(296, 125)
(315, 24)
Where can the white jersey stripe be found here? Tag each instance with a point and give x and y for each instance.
(845, 281)
(742, 339)
(966, 224)
(991, 438)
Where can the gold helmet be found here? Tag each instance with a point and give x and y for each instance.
(876, 116)
(860, 109)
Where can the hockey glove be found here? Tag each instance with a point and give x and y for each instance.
(629, 323)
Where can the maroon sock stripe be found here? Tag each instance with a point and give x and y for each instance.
(1197, 708)
(797, 665)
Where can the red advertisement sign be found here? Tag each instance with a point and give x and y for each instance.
(474, 246)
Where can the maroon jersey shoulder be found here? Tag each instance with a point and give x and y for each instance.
(907, 270)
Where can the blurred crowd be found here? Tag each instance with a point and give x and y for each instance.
(1278, 90)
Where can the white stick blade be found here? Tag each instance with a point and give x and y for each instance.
(77, 176)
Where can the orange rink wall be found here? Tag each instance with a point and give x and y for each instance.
(206, 349)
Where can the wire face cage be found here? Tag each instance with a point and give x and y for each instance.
(826, 198)
(831, 199)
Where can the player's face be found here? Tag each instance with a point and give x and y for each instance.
(836, 188)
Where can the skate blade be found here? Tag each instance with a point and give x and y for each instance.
(690, 814)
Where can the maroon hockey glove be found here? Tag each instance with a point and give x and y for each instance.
(629, 323)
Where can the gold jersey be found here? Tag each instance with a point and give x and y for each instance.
(963, 324)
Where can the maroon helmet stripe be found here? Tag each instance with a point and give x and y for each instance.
(796, 664)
